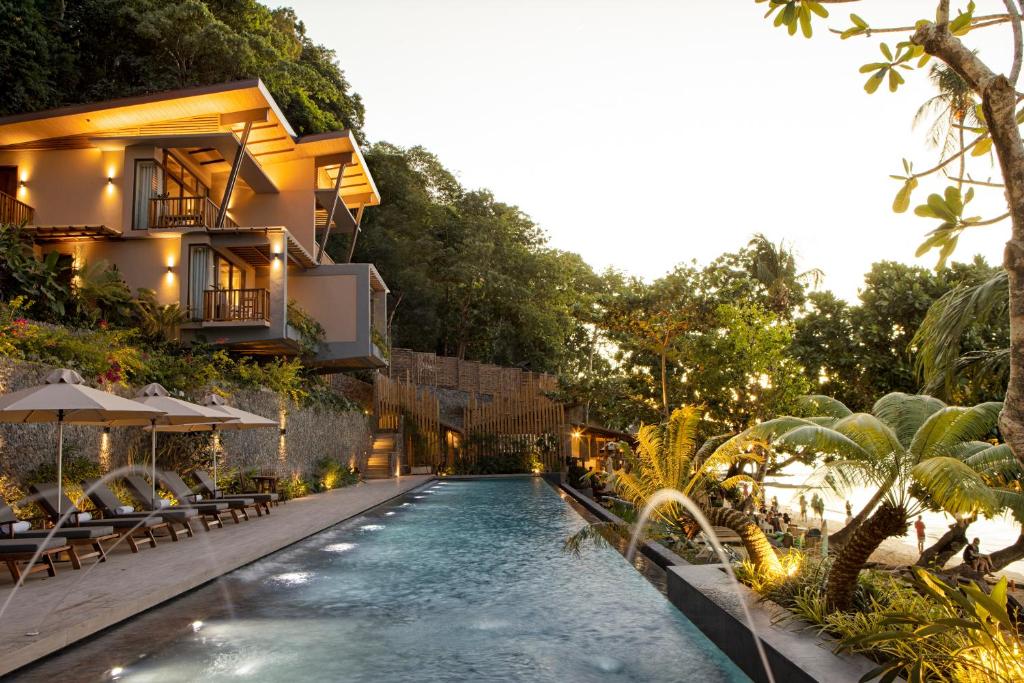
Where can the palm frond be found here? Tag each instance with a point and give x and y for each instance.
(938, 339)
(955, 486)
(593, 533)
(996, 461)
(824, 441)
(819, 405)
(870, 433)
(970, 424)
(905, 413)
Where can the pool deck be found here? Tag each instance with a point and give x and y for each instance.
(76, 604)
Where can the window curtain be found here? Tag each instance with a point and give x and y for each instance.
(147, 186)
(200, 278)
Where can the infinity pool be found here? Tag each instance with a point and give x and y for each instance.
(459, 581)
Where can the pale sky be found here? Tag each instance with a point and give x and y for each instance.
(645, 133)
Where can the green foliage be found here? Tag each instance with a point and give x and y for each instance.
(311, 332)
(947, 633)
(905, 52)
(795, 14)
(330, 473)
(44, 283)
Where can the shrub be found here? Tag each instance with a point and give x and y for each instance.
(329, 473)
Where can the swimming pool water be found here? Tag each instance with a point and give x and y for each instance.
(461, 581)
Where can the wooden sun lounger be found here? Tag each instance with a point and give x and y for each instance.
(180, 490)
(179, 522)
(91, 536)
(15, 551)
(206, 486)
(132, 530)
(209, 512)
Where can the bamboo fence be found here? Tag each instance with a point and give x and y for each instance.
(398, 399)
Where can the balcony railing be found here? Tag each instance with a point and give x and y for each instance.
(14, 211)
(185, 212)
(226, 305)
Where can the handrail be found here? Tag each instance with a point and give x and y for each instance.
(184, 212)
(15, 211)
(225, 305)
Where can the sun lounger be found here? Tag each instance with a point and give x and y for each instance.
(132, 530)
(140, 490)
(15, 551)
(90, 536)
(106, 501)
(180, 490)
(207, 488)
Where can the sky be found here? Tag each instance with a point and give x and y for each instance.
(646, 133)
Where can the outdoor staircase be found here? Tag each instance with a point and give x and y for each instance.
(380, 463)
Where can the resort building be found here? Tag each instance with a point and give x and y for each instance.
(208, 197)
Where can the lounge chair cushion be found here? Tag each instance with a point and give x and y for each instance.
(124, 510)
(73, 533)
(84, 516)
(18, 527)
(18, 546)
(125, 523)
(161, 503)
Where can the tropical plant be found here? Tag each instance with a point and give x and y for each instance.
(880, 450)
(939, 341)
(774, 266)
(667, 457)
(311, 332)
(979, 478)
(158, 321)
(43, 282)
(970, 638)
(101, 294)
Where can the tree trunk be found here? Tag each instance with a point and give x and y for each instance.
(759, 550)
(841, 537)
(952, 542)
(887, 521)
(1010, 553)
(998, 102)
(664, 380)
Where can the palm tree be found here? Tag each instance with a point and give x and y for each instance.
(939, 338)
(952, 110)
(881, 449)
(667, 457)
(774, 266)
(978, 478)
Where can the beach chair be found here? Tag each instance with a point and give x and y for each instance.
(206, 487)
(17, 551)
(180, 490)
(179, 522)
(140, 490)
(132, 530)
(91, 536)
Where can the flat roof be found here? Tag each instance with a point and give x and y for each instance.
(202, 110)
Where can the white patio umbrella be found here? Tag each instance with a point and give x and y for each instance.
(65, 399)
(176, 416)
(243, 420)
(238, 420)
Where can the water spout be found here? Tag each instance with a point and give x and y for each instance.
(671, 495)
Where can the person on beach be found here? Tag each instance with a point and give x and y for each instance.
(849, 510)
(803, 508)
(919, 528)
(974, 559)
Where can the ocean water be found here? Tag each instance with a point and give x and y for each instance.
(460, 581)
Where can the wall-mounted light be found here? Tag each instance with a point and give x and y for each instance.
(170, 270)
(106, 430)
(276, 256)
(110, 180)
(283, 431)
(22, 184)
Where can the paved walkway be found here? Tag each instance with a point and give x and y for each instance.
(76, 604)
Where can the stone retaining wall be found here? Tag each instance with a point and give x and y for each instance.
(310, 434)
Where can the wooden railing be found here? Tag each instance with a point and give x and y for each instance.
(14, 211)
(185, 212)
(223, 305)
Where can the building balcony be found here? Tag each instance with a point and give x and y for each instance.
(185, 212)
(245, 306)
(15, 211)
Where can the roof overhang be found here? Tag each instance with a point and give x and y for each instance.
(70, 233)
(225, 144)
(225, 108)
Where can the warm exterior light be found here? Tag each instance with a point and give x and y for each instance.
(277, 256)
(283, 431)
(22, 183)
(170, 269)
(106, 430)
(110, 180)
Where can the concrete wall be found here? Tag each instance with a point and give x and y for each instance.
(141, 263)
(294, 206)
(311, 434)
(331, 299)
(69, 187)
